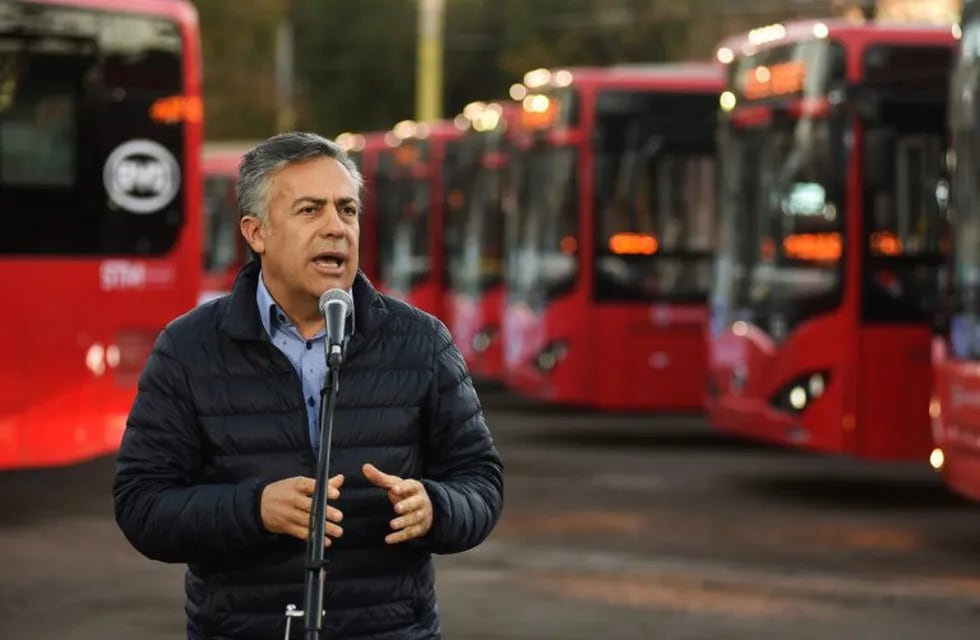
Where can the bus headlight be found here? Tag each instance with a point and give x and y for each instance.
(817, 384)
(800, 392)
(483, 339)
(797, 398)
(551, 355)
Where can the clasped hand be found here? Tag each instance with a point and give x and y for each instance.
(286, 506)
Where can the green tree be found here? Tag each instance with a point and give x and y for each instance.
(239, 67)
(355, 60)
(355, 63)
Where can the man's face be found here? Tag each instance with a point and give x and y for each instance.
(308, 241)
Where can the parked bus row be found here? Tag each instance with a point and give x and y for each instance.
(764, 237)
(784, 237)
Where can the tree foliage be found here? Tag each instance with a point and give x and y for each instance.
(355, 60)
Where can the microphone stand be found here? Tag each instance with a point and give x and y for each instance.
(316, 563)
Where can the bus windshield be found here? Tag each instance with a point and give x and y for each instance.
(964, 329)
(221, 236)
(71, 182)
(654, 195)
(543, 250)
(782, 237)
(480, 266)
(403, 232)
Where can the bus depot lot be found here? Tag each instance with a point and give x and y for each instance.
(624, 527)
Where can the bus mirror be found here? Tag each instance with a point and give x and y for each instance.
(879, 158)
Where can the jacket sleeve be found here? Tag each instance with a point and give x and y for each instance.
(463, 473)
(162, 504)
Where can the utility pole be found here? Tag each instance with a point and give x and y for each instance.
(285, 72)
(428, 72)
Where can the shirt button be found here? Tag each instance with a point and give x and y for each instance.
(310, 401)
(282, 318)
(309, 345)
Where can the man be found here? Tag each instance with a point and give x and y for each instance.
(215, 468)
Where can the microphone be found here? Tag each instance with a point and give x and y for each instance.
(336, 305)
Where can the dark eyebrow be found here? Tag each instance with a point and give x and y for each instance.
(342, 202)
(321, 202)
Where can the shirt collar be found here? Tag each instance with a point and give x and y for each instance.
(272, 316)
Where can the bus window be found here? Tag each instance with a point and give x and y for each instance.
(403, 231)
(479, 260)
(902, 223)
(655, 196)
(221, 237)
(92, 189)
(545, 258)
(965, 323)
(789, 263)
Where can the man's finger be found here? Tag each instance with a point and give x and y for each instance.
(337, 481)
(303, 503)
(304, 485)
(301, 518)
(395, 538)
(298, 532)
(412, 503)
(378, 478)
(407, 520)
(332, 530)
(406, 487)
(334, 515)
(403, 535)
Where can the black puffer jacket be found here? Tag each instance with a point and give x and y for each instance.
(220, 413)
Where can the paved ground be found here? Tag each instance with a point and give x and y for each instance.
(615, 527)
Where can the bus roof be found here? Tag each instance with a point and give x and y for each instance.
(694, 75)
(849, 32)
(438, 131)
(182, 11)
(223, 157)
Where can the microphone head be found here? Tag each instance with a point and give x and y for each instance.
(336, 295)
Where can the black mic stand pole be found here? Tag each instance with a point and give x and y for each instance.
(315, 562)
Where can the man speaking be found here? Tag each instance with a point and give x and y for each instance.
(217, 462)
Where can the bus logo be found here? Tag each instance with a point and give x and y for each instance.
(118, 275)
(141, 176)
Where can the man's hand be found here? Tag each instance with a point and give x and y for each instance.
(286, 505)
(410, 501)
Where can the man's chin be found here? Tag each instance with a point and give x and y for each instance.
(324, 283)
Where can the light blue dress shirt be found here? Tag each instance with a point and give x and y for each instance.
(306, 356)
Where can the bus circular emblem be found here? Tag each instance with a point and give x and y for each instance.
(141, 176)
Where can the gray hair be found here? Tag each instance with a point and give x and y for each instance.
(252, 187)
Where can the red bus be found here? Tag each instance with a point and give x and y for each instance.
(955, 408)
(225, 250)
(609, 252)
(100, 147)
(830, 147)
(366, 150)
(411, 190)
(475, 234)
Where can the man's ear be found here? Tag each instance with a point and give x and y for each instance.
(252, 230)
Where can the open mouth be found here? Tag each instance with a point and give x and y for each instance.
(329, 260)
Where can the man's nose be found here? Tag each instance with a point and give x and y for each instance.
(330, 223)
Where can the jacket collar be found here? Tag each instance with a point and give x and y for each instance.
(241, 320)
